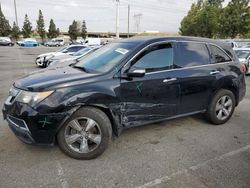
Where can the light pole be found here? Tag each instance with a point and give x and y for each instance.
(117, 18)
(15, 12)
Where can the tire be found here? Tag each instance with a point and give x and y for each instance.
(100, 124)
(220, 112)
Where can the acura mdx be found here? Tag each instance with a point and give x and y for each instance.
(125, 84)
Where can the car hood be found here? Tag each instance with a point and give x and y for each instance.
(61, 56)
(242, 60)
(52, 78)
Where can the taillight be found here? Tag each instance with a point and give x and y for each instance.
(243, 68)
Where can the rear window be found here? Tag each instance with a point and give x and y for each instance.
(219, 56)
(191, 54)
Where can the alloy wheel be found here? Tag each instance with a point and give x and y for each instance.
(83, 135)
(224, 107)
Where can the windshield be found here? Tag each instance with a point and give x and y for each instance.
(244, 54)
(81, 52)
(106, 58)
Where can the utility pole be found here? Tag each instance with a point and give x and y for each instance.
(117, 18)
(128, 18)
(137, 18)
(15, 12)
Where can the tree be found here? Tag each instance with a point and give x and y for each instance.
(234, 19)
(5, 28)
(53, 33)
(41, 25)
(15, 31)
(58, 31)
(27, 27)
(84, 30)
(73, 30)
(202, 19)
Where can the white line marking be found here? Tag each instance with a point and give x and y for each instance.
(193, 168)
(60, 172)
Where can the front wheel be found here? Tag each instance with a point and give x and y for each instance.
(221, 107)
(86, 134)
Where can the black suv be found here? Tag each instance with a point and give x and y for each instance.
(125, 84)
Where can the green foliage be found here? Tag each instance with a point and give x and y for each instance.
(84, 30)
(202, 19)
(73, 30)
(234, 19)
(5, 28)
(27, 27)
(15, 31)
(41, 25)
(207, 18)
(53, 32)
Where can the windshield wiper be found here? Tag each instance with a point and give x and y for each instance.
(81, 68)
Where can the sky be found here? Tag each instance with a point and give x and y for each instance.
(100, 15)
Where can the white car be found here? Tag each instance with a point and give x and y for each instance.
(243, 55)
(42, 60)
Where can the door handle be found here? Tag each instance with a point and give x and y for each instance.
(169, 80)
(214, 72)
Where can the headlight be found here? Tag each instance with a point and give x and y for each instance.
(32, 98)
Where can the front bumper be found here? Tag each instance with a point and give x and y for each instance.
(31, 126)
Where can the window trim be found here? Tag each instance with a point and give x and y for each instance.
(173, 42)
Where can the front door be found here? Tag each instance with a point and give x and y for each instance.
(152, 97)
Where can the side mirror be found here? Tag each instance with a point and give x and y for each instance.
(136, 72)
(65, 51)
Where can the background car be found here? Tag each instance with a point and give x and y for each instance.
(5, 41)
(43, 59)
(243, 55)
(54, 42)
(29, 42)
(71, 58)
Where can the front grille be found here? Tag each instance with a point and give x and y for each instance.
(17, 122)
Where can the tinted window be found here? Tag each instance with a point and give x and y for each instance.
(219, 56)
(159, 57)
(191, 54)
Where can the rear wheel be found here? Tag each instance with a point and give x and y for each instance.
(86, 134)
(221, 107)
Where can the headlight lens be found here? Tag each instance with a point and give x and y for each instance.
(32, 98)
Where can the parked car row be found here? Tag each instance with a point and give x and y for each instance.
(124, 84)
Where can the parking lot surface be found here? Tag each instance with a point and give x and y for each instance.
(186, 152)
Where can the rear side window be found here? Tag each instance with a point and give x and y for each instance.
(155, 58)
(191, 54)
(219, 56)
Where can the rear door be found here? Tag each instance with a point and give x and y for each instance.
(195, 74)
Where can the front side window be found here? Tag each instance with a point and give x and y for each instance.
(219, 56)
(155, 58)
(191, 54)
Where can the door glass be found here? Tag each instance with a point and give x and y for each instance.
(155, 58)
(191, 54)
